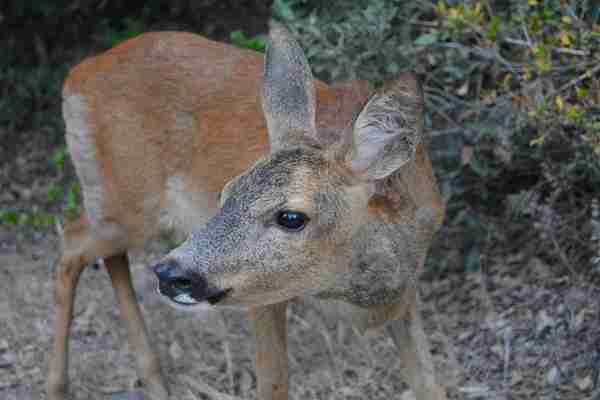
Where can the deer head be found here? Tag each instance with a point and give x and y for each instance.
(301, 221)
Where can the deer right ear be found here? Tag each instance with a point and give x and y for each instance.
(388, 129)
(288, 96)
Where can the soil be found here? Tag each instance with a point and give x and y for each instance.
(520, 329)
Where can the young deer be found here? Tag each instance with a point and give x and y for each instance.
(330, 194)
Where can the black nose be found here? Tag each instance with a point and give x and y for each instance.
(173, 281)
(167, 270)
(184, 288)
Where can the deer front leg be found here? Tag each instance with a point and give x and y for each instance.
(147, 361)
(269, 324)
(417, 365)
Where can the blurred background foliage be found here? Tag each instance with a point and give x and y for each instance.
(512, 89)
(513, 100)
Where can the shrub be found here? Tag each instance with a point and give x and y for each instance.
(513, 103)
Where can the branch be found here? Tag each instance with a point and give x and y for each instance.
(563, 50)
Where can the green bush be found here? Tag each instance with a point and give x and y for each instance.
(513, 102)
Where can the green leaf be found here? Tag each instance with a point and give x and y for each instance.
(59, 157)
(9, 217)
(282, 10)
(55, 192)
(478, 166)
(427, 39)
(72, 209)
(240, 39)
(494, 29)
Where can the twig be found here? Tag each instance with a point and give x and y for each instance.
(489, 8)
(335, 372)
(445, 338)
(595, 369)
(426, 24)
(448, 131)
(447, 118)
(205, 388)
(229, 363)
(529, 42)
(507, 338)
(564, 50)
(575, 81)
(574, 52)
(563, 257)
(487, 53)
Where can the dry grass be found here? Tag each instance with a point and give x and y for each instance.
(516, 331)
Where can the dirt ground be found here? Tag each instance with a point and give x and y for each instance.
(517, 330)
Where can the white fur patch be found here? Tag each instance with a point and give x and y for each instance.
(185, 210)
(192, 307)
(83, 153)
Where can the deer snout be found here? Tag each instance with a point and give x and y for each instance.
(184, 287)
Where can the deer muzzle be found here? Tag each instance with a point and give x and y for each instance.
(184, 288)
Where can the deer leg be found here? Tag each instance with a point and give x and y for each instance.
(147, 361)
(269, 323)
(69, 271)
(417, 369)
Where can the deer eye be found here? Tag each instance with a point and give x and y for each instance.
(291, 220)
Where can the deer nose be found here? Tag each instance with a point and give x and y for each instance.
(166, 270)
(173, 282)
(182, 288)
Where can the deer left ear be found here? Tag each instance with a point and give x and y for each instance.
(388, 129)
(288, 96)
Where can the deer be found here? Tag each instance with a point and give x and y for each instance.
(285, 187)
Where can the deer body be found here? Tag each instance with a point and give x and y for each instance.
(181, 111)
(163, 124)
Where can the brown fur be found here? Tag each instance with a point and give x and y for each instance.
(160, 124)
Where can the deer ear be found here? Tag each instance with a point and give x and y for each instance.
(288, 96)
(388, 129)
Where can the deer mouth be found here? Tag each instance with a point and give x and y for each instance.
(217, 297)
(186, 293)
